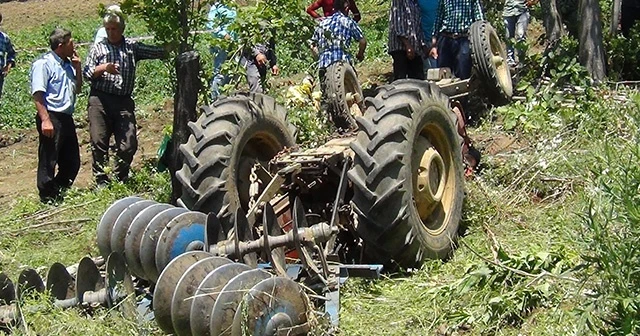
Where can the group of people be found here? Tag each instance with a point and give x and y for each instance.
(57, 77)
(422, 34)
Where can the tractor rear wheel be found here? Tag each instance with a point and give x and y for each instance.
(225, 142)
(342, 94)
(408, 174)
(490, 63)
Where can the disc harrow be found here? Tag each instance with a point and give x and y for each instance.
(149, 234)
(77, 286)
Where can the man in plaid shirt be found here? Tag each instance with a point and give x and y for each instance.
(451, 32)
(111, 68)
(406, 40)
(7, 56)
(332, 38)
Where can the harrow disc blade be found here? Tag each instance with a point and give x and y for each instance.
(123, 223)
(213, 231)
(276, 255)
(7, 290)
(134, 237)
(186, 288)
(207, 293)
(120, 290)
(181, 231)
(60, 282)
(167, 282)
(150, 241)
(243, 232)
(29, 282)
(229, 299)
(108, 220)
(275, 306)
(88, 278)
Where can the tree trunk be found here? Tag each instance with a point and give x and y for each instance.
(615, 17)
(552, 20)
(184, 110)
(591, 45)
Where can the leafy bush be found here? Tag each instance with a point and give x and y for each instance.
(612, 233)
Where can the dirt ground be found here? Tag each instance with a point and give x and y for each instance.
(28, 13)
(18, 161)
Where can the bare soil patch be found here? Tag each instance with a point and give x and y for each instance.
(23, 14)
(19, 159)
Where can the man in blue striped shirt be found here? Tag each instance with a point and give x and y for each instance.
(55, 80)
(452, 31)
(7, 56)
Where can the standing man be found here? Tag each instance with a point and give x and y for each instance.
(255, 62)
(516, 21)
(328, 8)
(7, 56)
(56, 78)
(219, 19)
(452, 31)
(428, 11)
(111, 67)
(332, 38)
(406, 40)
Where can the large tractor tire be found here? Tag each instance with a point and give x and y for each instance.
(342, 94)
(490, 63)
(407, 176)
(226, 141)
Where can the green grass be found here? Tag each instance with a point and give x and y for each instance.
(528, 230)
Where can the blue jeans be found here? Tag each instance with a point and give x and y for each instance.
(516, 28)
(218, 79)
(454, 53)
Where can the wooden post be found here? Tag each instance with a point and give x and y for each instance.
(184, 110)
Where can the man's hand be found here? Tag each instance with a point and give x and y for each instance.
(411, 54)
(531, 3)
(275, 70)
(261, 59)
(6, 69)
(433, 52)
(75, 60)
(47, 128)
(112, 68)
(360, 57)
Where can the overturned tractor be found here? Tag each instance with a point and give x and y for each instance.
(266, 232)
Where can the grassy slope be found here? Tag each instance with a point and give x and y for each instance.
(510, 205)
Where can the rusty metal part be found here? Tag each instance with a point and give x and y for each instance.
(185, 290)
(149, 241)
(108, 220)
(304, 236)
(275, 306)
(133, 239)
(167, 282)
(88, 279)
(29, 282)
(181, 232)
(302, 241)
(229, 298)
(122, 224)
(339, 200)
(207, 293)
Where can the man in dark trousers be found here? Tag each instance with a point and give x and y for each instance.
(111, 68)
(452, 32)
(407, 46)
(56, 78)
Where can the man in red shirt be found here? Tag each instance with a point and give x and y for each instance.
(327, 9)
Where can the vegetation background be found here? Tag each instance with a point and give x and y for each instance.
(551, 223)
